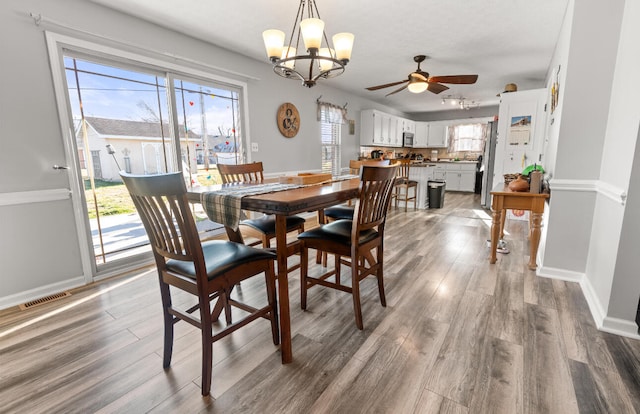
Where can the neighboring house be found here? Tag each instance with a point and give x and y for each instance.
(138, 147)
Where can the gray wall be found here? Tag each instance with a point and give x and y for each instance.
(40, 248)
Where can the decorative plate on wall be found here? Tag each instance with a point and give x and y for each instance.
(288, 120)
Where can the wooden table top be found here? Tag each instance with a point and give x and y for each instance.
(503, 189)
(294, 201)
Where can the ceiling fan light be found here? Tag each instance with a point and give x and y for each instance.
(343, 44)
(417, 86)
(273, 42)
(312, 31)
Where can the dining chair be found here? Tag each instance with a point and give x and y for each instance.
(262, 228)
(344, 211)
(207, 270)
(354, 239)
(404, 184)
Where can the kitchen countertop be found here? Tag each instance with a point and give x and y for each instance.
(426, 163)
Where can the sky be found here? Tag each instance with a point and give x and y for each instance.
(110, 92)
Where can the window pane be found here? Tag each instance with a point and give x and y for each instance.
(330, 137)
(210, 121)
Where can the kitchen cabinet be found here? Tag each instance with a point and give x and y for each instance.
(431, 134)
(421, 135)
(408, 125)
(374, 129)
(437, 136)
(381, 129)
(460, 176)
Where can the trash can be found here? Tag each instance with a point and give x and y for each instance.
(435, 191)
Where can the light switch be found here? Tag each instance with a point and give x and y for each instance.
(254, 147)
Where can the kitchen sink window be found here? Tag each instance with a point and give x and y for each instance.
(467, 137)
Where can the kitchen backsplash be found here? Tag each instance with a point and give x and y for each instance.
(424, 153)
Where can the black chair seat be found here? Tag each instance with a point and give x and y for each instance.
(338, 232)
(339, 212)
(221, 256)
(267, 224)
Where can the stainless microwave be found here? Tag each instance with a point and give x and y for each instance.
(407, 139)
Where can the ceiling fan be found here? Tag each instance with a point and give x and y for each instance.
(419, 81)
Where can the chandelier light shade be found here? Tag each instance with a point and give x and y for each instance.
(320, 60)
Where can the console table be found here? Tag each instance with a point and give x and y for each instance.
(504, 199)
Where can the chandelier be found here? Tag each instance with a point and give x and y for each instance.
(318, 62)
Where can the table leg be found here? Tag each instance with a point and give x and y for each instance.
(496, 227)
(283, 289)
(536, 224)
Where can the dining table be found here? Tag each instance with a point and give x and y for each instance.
(284, 203)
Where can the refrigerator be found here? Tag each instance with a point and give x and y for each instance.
(488, 161)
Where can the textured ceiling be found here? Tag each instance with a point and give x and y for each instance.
(503, 41)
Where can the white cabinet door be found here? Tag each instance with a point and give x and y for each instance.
(367, 127)
(453, 180)
(467, 181)
(408, 126)
(437, 135)
(421, 137)
(460, 177)
(395, 132)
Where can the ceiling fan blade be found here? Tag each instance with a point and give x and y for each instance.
(398, 90)
(386, 85)
(455, 79)
(436, 87)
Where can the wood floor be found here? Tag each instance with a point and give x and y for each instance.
(458, 336)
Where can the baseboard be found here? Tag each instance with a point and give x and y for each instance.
(604, 323)
(40, 292)
(620, 327)
(560, 274)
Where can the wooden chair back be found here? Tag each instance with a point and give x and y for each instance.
(376, 187)
(161, 202)
(403, 167)
(238, 173)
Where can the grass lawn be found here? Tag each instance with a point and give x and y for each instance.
(113, 197)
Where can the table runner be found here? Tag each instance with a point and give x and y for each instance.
(224, 206)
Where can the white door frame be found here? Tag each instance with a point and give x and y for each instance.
(56, 44)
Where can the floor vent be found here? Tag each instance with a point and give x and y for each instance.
(44, 300)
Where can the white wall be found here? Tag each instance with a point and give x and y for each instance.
(580, 129)
(592, 234)
(40, 248)
(620, 172)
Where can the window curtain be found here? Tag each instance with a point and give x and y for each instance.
(333, 114)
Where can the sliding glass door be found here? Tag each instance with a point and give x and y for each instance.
(143, 120)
